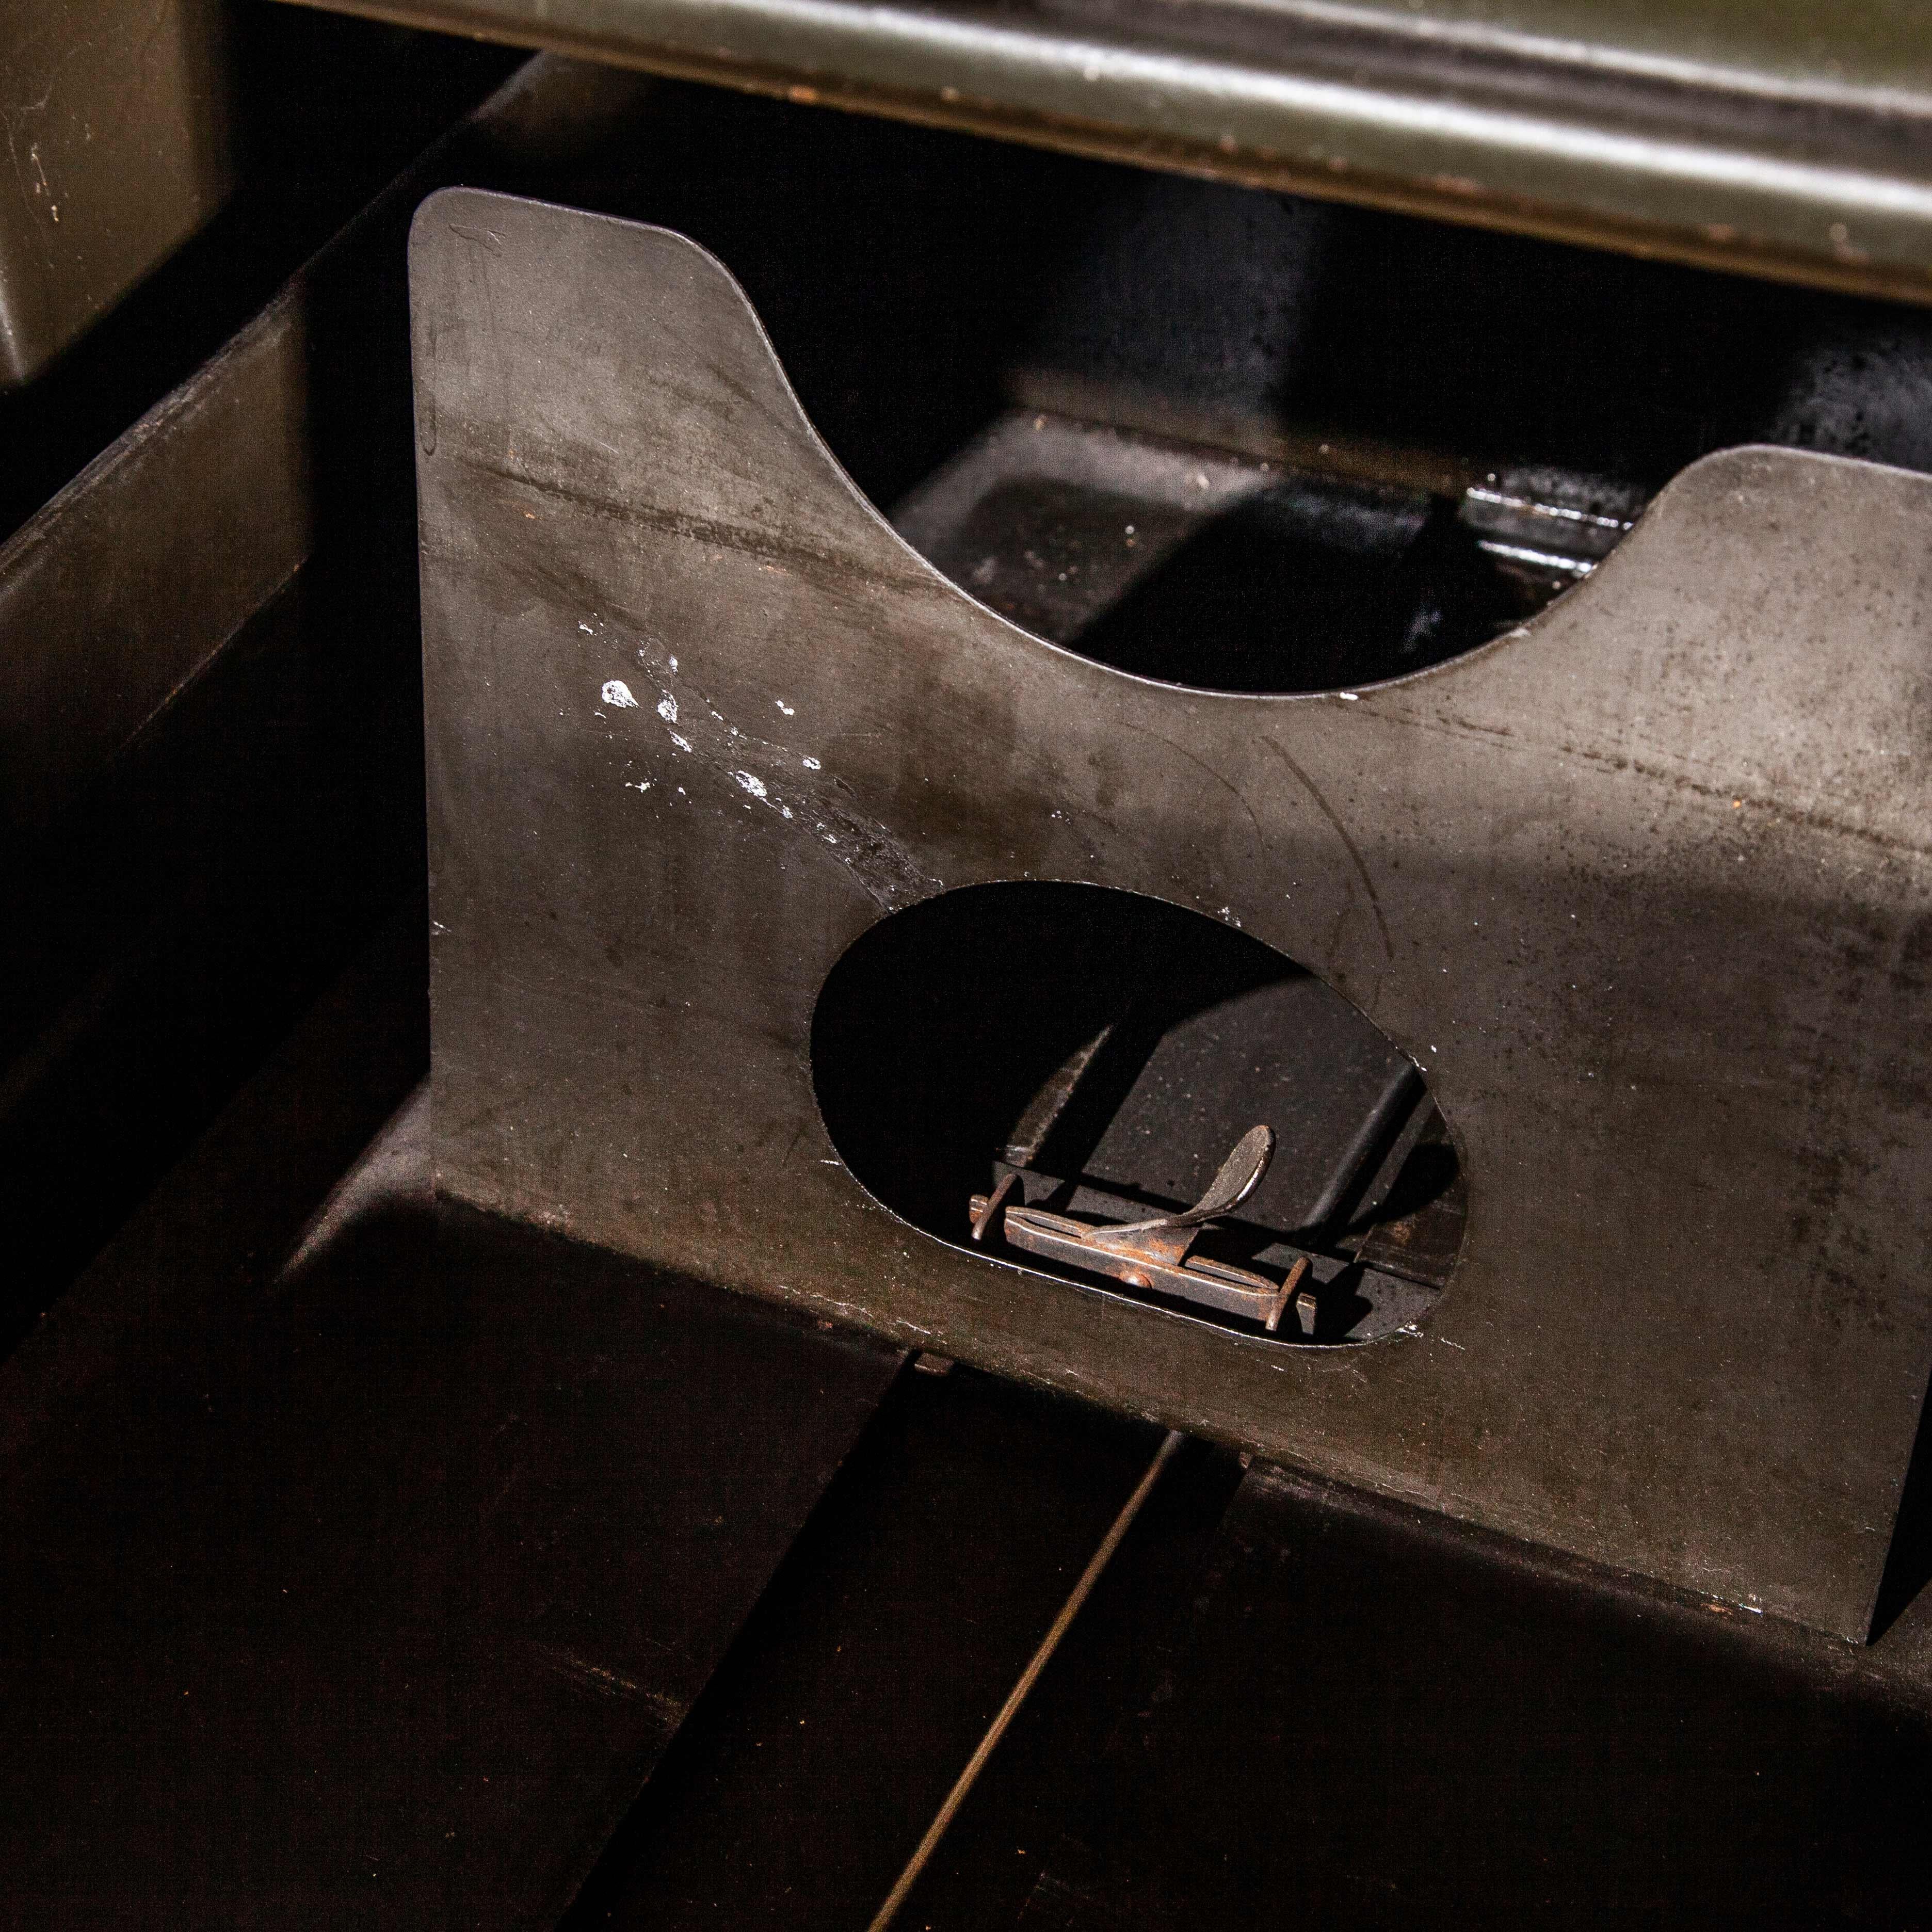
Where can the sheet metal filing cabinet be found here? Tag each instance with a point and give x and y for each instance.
(658, 825)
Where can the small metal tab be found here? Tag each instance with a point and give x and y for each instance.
(985, 1206)
(1154, 1254)
(1169, 1237)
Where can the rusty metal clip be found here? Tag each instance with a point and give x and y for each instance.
(1154, 1254)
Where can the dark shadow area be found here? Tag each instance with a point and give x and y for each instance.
(1908, 1564)
(174, 922)
(1463, 1733)
(377, 1590)
(1283, 594)
(1534, 353)
(805, 1774)
(1425, 1177)
(1242, 306)
(171, 926)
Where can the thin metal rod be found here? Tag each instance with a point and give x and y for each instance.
(1029, 1677)
(1396, 1100)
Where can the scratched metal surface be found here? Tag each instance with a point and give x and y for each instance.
(1644, 887)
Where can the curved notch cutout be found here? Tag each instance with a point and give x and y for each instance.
(1060, 1073)
(1217, 571)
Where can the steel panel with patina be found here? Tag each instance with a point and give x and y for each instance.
(1644, 887)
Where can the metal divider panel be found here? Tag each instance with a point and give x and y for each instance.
(1643, 887)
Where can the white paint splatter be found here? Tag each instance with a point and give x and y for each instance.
(585, 629)
(758, 766)
(1348, 697)
(617, 694)
(643, 785)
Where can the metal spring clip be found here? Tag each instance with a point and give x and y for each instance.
(1153, 1255)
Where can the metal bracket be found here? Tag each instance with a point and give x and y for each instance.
(1154, 1254)
(1643, 888)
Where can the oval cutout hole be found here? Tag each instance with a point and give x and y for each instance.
(1083, 1059)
